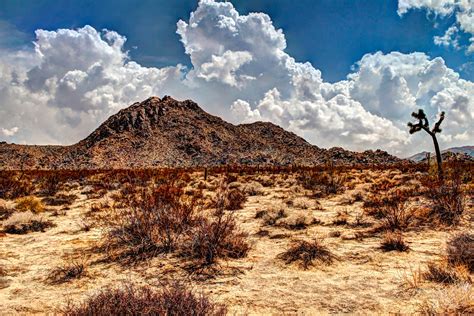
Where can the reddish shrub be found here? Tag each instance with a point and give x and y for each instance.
(132, 300)
(212, 239)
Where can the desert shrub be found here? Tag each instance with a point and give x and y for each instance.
(216, 238)
(60, 199)
(301, 203)
(13, 186)
(228, 199)
(67, 272)
(132, 300)
(235, 199)
(5, 212)
(460, 250)
(273, 214)
(151, 224)
(396, 217)
(29, 203)
(453, 300)
(445, 273)
(322, 183)
(393, 242)
(447, 201)
(392, 211)
(297, 222)
(342, 218)
(25, 222)
(253, 188)
(50, 183)
(305, 253)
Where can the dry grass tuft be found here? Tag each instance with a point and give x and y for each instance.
(453, 300)
(144, 300)
(460, 250)
(29, 203)
(444, 273)
(305, 253)
(393, 241)
(342, 218)
(67, 272)
(25, 222)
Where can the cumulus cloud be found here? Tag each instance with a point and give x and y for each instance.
(73, 79)
(9, 132)
(462, 9)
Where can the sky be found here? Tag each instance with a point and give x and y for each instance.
(336, 72)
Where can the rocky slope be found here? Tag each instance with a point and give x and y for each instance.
(464, 153)
(169, 133)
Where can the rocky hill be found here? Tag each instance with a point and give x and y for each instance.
(169, 133)
(463, 153)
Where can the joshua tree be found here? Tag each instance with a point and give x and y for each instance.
(423, 124)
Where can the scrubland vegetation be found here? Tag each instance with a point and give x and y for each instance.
(238, 240)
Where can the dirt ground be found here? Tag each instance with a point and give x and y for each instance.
(362, 280)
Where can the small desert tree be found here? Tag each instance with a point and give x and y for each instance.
(423, 124)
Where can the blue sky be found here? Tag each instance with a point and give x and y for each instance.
(336, 72)
(331, 34)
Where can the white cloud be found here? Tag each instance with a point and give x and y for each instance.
(9, 132)
(223, 68)
(74, 79)
(462, 9)
(450, 38)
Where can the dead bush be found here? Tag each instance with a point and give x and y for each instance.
(13, 185)
(50, 183)
(392, 211)
(460, 250)
(212, 239)
(323, 183)
(5, 212)
(305, 253)
(445, 273)
(132, 300)
(342, 218)
(447, 201)
(60, 199)
(253, 188)
(393, 242)
(67, 272)
(235, 199)
(151, 224)
(273, 214)
(297, 222)
(25, 222)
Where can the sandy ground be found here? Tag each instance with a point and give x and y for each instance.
(364, 280)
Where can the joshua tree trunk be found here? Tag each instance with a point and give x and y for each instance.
(423, 124)
(439, 161)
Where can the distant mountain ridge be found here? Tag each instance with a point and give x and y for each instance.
(463, 151)
(170, 133)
